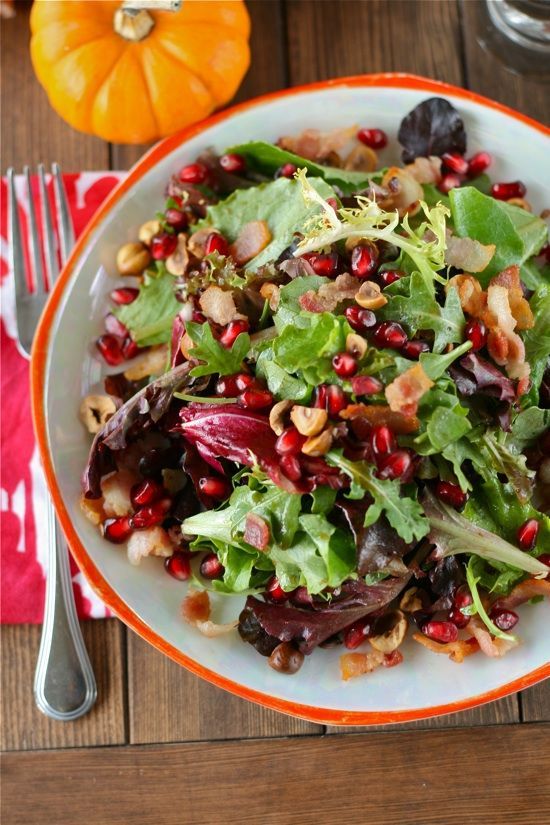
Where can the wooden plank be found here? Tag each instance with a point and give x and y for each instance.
(25, 728)
(356, 37)
(535, 703)
(414, 778)
(169, 704)
(487, 75)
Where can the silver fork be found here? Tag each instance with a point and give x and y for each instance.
(64, 682)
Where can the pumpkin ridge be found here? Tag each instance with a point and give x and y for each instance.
(173, 58)
(143, 74)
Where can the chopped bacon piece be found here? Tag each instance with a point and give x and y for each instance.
(405, 191)
(404, 393)
(519, 307)
(355, 664)
(456, 651)
(257, 532)
(252, 239)
(153, 541)
(467, 254)
(425, 170)
(473, 299)
(364, 416)
(505, 345)
(495, 648)
(328, 296)
(522, 593)
(219, 306)
(315, 145)
(195, 609)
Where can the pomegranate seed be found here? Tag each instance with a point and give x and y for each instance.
(504, 619)
(374, 138)
(458, 618)
(290, 442)
(287, 170)
(216, 242)
(124, 295)
(178, 565)
(162, 245)
(462, 597)
(455, 162)
(215, 487)
(116, 530)
(440, 631)
(382, 441)
(291, 467)
(151, 514)
(255, 399)
(197, 317)
(392, 659)
(233, 163)
(360, 319)
(129, 348)
(231, 333)
(114, 326)
(320, 396)
(389, 276)
(194, 173)
(146, 492)
(527, 534)
(364, 260)
(478, 163)
(414, 349)
(448, 182)
(451, 494)
(334, 203)
(326, 265)
(274, 592)
(505, 191)
(395, 465)
(177, 219)
(211, 567)
(389, 334)
(356, 633)
(336, 400)
(476, 332)
(231, 385)
(366, 385)
(110, 347)
(344, 365)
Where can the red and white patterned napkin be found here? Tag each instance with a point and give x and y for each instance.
(22, 488)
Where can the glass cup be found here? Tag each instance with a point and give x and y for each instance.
(517, 32)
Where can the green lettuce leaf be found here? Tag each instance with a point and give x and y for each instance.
(537, 339)
(474, 575)
(527, 427)
(217, 359)
(289, 310)
(149, 318)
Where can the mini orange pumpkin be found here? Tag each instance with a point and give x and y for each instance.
(134, 78)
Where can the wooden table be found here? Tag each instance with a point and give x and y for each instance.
(161, 746)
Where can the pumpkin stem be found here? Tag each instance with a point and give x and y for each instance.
(132, 20)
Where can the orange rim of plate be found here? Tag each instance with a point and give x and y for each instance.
(38, 382)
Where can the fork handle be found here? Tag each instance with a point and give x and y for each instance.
(64, 682)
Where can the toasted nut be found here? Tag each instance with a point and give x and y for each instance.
(93, 509)
(196, 242)
(152, 362)
(270, 292)
(147, 231)
(356, 345)
(95, 411)
(186, 344)
(522, 203)
(390, 640)
(370, 296)
(277, 415)
(132, 258)
(308, 420)
(361, 159)
(545, 214)
(318, 444)
(405, 192)
(410, 601)
(177, 262)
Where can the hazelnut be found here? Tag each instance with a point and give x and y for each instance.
(361, 159)
(277, 416)
(93, 509)
(95, 411)
(317, 445)
(132, 258)
(356, 345)
(177, 262)
(522, 203)
(370, 296)
(147, 231)
(411, 601)
(196, 242)
(186, 344)
(271, 293)
(392, 638)
(286, 658)
(308, 420)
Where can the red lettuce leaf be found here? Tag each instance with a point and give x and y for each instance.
(379, 547)
(431, 128)
(473, 375)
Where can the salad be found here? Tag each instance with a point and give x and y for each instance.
(328, 391)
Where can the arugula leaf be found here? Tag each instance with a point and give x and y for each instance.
(419, 310)
(403, 513)
(472, 569)
(516, 233)
(267, 158)
(217, 359)
(149, 318)
(498, 456)
(279, 381)
(527, 426)
(279, 203)
(435, 364)
(534, 275)
(537, 339)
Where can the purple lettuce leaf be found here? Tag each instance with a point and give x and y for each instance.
(431, 128)
(379, 546)
(473, 375)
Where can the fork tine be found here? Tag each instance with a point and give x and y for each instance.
(39, 285)
(14, 240)
(63, 215)
(47, 225)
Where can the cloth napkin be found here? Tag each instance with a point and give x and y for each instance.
(22, 488)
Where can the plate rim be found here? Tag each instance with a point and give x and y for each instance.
(39, 362)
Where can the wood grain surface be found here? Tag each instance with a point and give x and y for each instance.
(239, 762)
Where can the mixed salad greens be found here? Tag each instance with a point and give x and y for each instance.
(338, 398)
